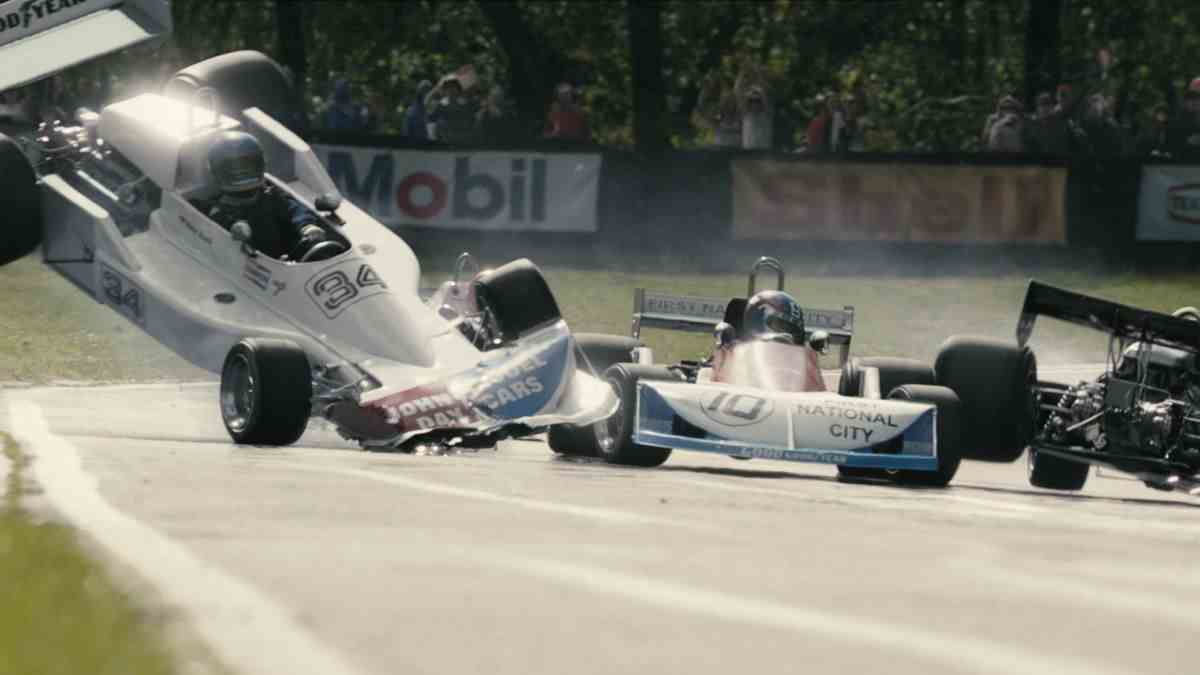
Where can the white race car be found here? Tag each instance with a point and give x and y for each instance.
(339, 331)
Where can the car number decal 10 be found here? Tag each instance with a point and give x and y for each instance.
(335, 289)
(735, 410)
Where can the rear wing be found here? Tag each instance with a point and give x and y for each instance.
(1106, 316)
(41, 37)
(652, 309)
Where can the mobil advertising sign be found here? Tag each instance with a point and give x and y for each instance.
(1169, 204)
(468, 190)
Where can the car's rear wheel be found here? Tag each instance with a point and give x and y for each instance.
(517, 299)
(20, 204)
(997, 384)
(614, 436)
(266, 392)
(949, 433)
(893, 373)
(1056, 473)
(600, 352)
(242, 79)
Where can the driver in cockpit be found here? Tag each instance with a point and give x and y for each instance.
(280, 224)
(774, 316)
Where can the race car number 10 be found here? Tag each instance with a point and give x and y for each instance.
(735, 409)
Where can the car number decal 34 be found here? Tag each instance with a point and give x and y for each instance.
(124, 295)
(336, 288)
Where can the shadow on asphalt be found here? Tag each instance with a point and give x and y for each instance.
(748, 473)
(1063, 497)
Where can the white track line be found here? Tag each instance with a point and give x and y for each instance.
(916, 501)
(560, 508)
(246, 629)
(962, 652)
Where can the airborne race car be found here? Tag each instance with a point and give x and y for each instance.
(754, 396)
(1142, 416)
(338, 331)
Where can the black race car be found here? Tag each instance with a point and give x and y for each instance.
(1142, 416)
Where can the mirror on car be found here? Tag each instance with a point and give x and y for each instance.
(241, 231)
(818, 341)
(724, 335)
(328, 202)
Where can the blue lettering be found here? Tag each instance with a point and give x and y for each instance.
(374, 192)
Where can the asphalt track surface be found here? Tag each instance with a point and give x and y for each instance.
(321, 558)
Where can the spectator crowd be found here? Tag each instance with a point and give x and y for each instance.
(1089, 113)
(458, 110)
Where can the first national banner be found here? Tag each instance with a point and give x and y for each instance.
(774, 199)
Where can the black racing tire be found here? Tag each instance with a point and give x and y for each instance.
(893, 372)
(852, 474)
(569, 440)
(242, 79)
(617, 446)
(949, 433)
(605, 351)
(20, 204)
(266, 392)
(1055, 473)
(517, 297)
(997, 384)
(601, 352)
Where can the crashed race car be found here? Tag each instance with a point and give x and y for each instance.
(760, 393)
(1141, 416)
(332, 325)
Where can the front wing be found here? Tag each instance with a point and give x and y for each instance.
(796, 427)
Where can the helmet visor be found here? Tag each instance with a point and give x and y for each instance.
(778, 324)
(243, 172)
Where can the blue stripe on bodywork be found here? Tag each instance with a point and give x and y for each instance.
(536, 375)
(654, 424)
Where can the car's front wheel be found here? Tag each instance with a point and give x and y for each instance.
(949, 434)
(600, 352)
(266, 392)
(614, 436)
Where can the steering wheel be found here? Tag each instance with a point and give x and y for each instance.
(323, 250)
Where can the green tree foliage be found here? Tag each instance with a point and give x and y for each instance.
(930, 70)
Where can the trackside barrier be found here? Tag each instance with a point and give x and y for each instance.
(695, 198)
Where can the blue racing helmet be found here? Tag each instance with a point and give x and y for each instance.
(774, 313)
(236, 162)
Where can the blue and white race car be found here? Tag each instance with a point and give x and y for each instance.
(760, 393)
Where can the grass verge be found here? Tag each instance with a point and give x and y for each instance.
(50, 330)
(59, 612)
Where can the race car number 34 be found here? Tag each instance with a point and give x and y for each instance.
(335, 289)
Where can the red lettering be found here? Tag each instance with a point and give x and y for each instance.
(437, 201)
